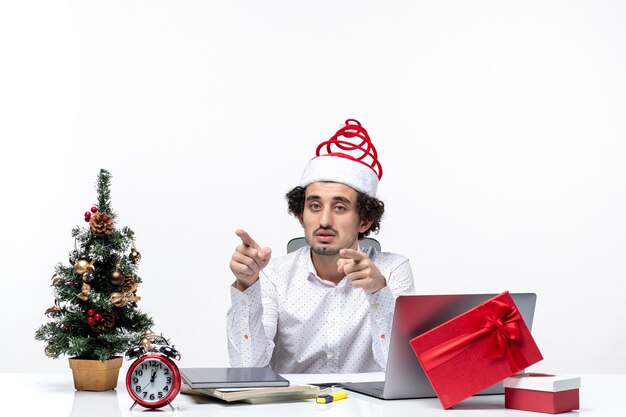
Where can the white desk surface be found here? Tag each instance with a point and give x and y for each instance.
(51, 395)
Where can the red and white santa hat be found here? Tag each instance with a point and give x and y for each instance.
(349, 157)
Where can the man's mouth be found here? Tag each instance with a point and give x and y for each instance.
(324, 236)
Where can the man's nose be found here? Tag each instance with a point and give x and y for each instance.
(326, 218)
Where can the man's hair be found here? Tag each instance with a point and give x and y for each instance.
(369, 208)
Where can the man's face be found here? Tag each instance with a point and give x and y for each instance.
(330, 218)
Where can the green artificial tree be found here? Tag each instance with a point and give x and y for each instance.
(95, 314)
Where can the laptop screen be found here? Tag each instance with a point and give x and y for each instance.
(416, 314)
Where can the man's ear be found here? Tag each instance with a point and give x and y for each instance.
(365, 225)
(300, 220)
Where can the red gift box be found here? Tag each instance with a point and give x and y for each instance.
(476, 349)
(542, 393)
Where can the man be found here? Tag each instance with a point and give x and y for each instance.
(326, 307)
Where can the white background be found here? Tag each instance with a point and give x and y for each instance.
(500, 126)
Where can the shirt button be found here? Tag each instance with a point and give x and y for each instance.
(245, 336)
(244, 302)
(375, 305)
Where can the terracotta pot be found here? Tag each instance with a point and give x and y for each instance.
(95, 375)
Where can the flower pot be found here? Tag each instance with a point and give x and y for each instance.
(95, 375)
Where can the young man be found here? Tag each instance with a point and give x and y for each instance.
(326, 307)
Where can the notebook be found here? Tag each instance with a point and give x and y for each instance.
(257, 395)
(197, 378)
(415, 314)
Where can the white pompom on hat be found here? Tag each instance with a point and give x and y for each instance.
(349, 157)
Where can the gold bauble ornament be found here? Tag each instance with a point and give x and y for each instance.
(145, 342)
(48, 352)
(134, 255)
(82, 266)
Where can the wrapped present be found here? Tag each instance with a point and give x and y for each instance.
(476, 349)
(542, 393)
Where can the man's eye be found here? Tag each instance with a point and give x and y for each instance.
(340, 208)
(314, 206)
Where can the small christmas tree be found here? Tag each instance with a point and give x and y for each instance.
(95, 313)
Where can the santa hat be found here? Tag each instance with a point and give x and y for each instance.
(349, 157)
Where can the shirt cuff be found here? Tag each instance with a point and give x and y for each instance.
(247, 304)
(249, 299)
(382, 303)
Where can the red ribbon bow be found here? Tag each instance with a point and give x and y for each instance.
(498, 321)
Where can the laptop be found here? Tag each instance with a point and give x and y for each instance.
(414, 315)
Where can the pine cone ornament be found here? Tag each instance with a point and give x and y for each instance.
(129, 284)
(105, 324)
(101, 224)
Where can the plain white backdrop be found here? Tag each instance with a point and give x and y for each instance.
(500, 125)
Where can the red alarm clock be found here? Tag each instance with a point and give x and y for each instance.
(153, 379)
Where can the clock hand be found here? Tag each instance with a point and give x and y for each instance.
(145, 386)
(152, 378)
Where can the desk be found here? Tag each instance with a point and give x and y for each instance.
(51, 395)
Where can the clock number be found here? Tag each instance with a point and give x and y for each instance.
(166, 388)
(135, 380)
(160, 394)
(169, 379)
(144, 366)
(145, 393)
(138, 388)
(167, 371)
(138, 372)
(152, 396)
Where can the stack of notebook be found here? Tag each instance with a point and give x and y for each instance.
(252, 385)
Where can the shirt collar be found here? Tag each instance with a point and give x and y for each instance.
(313, 273)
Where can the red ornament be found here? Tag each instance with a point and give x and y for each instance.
(90, 312)
(66, 328)
(98, 316)
(89, 320)
(87, 214)
(94, 209)
(87, 219)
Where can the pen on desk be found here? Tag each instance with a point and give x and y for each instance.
(333, 396)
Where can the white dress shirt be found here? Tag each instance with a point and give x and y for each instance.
(299, 323)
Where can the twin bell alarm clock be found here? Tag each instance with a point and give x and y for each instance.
(153, 379)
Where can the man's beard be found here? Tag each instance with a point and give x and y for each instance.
(329, 251)
(325, 251)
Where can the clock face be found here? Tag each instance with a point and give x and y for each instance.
(153, 380)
